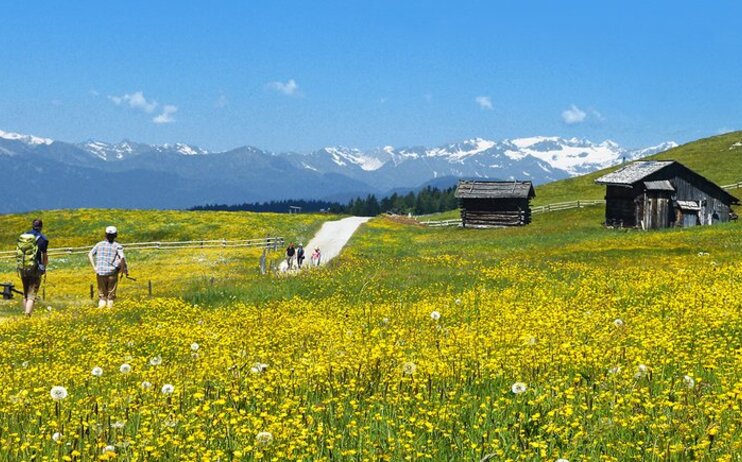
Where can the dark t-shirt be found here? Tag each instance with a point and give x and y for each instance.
(300, 252)
(290, 252)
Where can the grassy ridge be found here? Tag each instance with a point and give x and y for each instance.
(77, 227)
(717, 158)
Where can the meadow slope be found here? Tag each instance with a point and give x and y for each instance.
(557, 340)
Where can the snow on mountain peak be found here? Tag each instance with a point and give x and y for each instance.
(342, 156)
(28, 139)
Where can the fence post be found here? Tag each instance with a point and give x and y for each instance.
(91, 291)
(149, 287)
(578, 204)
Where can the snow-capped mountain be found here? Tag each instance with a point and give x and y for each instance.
(540, 158)
(126, 148)
(181, 175)
(27, 139)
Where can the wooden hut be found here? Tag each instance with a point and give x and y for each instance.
(494, 203)
(661, 194)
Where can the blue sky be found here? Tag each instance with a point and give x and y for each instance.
(298, 75)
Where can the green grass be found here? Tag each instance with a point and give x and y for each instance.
(716, 158)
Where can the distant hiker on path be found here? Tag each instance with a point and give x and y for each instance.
(32, 261)
(300, 255)
(316, 256)
(290, 252)
(107, 258)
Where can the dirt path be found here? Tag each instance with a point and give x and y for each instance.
(330, 239)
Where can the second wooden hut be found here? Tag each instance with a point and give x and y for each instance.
(487, 204)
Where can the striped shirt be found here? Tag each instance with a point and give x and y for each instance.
(108, 257)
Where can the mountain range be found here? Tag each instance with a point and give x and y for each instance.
(41, 173)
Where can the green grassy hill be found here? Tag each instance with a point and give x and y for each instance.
(718, 158)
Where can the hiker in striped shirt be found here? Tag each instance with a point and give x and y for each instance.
(107, 258)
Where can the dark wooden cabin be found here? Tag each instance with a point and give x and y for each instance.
(662, 194)
(494, 203)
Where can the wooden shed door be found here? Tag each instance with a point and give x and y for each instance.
(657, 210)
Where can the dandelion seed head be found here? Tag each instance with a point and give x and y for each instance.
(58, 393)
(125, 368)
(518, 388)
(618, 322)
(97, 371)
(409, 368)
(264, 438)
(146, 385)
(57, 436)
(195, 346)
(167, 389)
(689, 381)
(155, 361)
(435, 315)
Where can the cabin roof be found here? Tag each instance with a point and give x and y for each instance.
(479, 189)
(635, 171)
(661, 185)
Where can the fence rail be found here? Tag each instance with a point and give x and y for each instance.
(539, 209)
(268, 242)
(736, 185)
(454, 222)
(566, 205)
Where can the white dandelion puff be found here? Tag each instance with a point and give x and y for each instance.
(24, 364)
(97, 371)
(257, 368)
(641, 371)
(57, 436)
(118, 424)
(155, 361)
(195, 346)
(518, 388)
(264, 438)
(125, 368)
(457, 301)
(146, 385)
(689, 381)
(58, 393)
(618, 322)
(167, 389)
(614, 370)
(110, 448)
(435, 315)
(409, 368)
(562, 460)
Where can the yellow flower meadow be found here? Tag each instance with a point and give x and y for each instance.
(589, 345)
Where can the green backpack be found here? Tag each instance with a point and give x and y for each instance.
(26, 252)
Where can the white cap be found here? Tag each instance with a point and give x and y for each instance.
(111, 230)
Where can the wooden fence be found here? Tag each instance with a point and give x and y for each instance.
(540, 209)
(736, 185)
(268, 242)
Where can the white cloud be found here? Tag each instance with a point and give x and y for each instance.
(94, 92)
(573, 115)
(484, 102)
(289, 88)
(136, 101)
(166, 117)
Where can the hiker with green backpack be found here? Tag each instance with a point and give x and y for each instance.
(32, 259)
